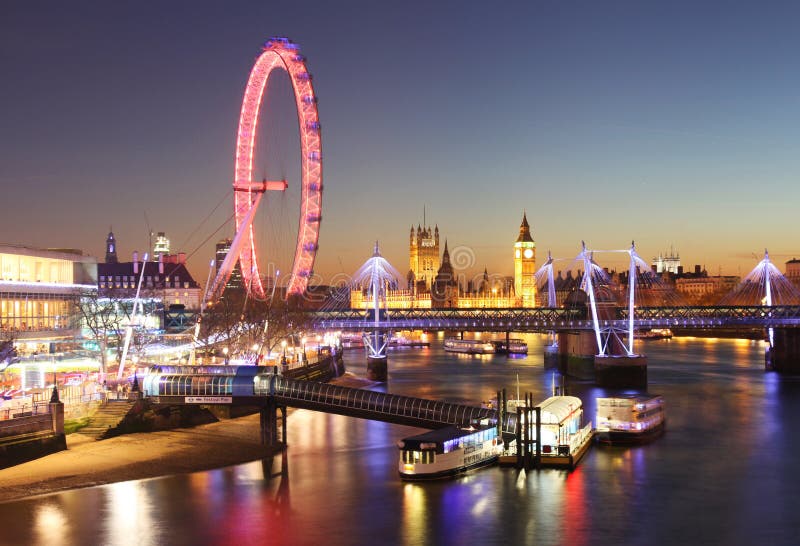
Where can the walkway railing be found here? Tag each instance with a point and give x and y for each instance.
(548, 319)
(252, 381)
(368, 404)
(25, 409)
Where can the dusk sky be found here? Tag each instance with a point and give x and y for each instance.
(676, 124)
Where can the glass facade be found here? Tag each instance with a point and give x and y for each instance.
(38, 287)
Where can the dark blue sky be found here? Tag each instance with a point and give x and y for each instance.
(675, 124)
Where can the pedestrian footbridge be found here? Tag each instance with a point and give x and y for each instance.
(263, 386)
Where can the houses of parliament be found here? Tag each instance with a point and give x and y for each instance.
(433, 283)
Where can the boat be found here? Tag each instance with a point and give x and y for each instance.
(402, 341)
(514, 347)
(350, 340)
(448, 451)
(564, 440)
(655, 333)
(631, 419)
(469, 346)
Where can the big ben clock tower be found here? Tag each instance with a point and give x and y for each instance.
(525, 265)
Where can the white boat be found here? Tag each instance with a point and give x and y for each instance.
(564, 440)
(448, 451)
(513, 347)
(468, 346)
(630, 419)
(655, 333)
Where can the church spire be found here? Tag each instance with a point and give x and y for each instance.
(446, 255)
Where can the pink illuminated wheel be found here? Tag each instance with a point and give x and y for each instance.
(284, 54)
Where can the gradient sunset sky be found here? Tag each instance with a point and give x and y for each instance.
(676, 124)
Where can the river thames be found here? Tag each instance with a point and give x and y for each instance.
(725, 472)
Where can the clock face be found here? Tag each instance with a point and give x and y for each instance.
(528, 253)
(517, 253)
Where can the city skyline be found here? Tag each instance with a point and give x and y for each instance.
(669, 125)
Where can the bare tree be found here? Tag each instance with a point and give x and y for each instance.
(8, 353)
(239, 322)
(106, 319)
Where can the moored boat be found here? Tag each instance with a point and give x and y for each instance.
(513, 347)
(448, 451)
(630, 419)
(468, 346)
(655, 333)
(564, 439)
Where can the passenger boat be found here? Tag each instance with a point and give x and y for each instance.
(630, 419)
(468, 346)
(448, 451)
(655, 333)
(514, 347)
(564, 439)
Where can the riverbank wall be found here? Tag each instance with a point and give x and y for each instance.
(32, 434)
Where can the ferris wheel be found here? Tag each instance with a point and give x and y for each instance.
(278, 54)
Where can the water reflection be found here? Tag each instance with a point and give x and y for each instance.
(51, 524)
(725, 469)
(128, 514)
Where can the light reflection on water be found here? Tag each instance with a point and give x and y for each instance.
(725, 472)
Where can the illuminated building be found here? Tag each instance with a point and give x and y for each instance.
(222, 249)
(670, 263)
(423, 251)
(161, 247)
(793, 271)
(111, 248)
(444, 291)
(525, 265)
(166, 280)
(701, 289)
(38, 290)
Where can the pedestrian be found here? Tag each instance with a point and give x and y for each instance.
(119, 391)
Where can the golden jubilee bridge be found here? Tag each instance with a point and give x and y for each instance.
(542, 319)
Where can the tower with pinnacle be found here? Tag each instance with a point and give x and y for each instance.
(444, 290)
(525, 265)
(111, 248)
(423, 253)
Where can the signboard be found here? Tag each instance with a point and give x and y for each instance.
(208, 399)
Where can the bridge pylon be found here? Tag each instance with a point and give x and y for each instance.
(377, 275)
(617, 365)
(552, 357)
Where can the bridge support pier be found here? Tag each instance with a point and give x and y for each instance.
(552, 357)
(784, 355)
(576, 352)
(621, 371)
(273, 432)
(377, 345)
(377, 368)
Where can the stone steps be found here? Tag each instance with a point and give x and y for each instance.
(107, 417)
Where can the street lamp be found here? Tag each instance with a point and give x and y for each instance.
(305, 358)
(283, 358)
(225, 352)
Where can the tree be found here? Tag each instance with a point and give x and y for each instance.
(107, 318)
(8, 353)
(239, 322)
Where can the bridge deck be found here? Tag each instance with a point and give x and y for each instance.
(250, 385)
(540, 319)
